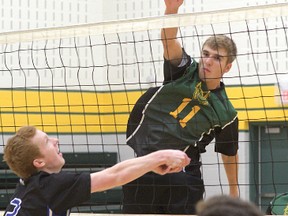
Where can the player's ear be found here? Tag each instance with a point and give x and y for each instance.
(227, 68)
(38, 163)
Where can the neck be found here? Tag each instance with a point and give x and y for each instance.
(213, 84)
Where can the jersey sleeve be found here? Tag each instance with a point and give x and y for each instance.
(226, 141)
(65, 190)
(172, 72)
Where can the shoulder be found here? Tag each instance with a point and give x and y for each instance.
(224, 100)
(56, 178)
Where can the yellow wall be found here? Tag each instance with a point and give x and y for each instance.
(76, 112)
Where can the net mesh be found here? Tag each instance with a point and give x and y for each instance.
(79, 83)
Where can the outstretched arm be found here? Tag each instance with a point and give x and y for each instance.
(172, 47)
(231, 168)
(161, 162)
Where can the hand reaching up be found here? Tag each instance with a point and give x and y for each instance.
(172, 6)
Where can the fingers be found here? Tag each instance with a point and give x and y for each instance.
(176, 161)
(175, 169)
(172, 6)
(163, 169)
(181, 159)
(187, 160)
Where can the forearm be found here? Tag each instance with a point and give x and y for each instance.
(161, 162)
(122, 173)
(231, 168)
(171, 45)
(170, 33)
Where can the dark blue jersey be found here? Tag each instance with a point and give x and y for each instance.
(183, 112)
(49, 194)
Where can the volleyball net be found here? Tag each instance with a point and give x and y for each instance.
(79, 84)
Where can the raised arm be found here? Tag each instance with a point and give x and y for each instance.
(161, 162)
(231, 168)
(172, 47)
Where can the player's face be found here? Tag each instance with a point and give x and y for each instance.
(51, 160)
(213, 64)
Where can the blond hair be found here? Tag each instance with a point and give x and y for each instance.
(20, 152)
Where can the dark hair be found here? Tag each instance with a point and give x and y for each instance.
(222, 42)
(227, 206)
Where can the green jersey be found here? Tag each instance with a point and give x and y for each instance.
(183, 112)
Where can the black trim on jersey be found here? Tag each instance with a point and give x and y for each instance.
(136, 113)
(227, 140)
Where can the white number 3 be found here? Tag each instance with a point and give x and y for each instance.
(17, 203)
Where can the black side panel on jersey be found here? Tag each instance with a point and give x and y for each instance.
(136, 114)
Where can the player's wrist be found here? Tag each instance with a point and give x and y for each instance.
(171, 11)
